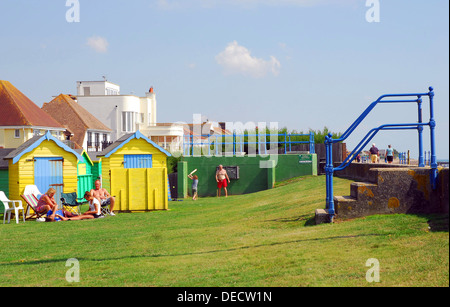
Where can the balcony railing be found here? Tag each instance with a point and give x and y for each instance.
(97, 146)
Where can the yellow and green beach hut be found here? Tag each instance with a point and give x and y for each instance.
(84, 171)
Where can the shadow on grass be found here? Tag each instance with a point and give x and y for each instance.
(308, 218)
(438, 223)
(189, 254)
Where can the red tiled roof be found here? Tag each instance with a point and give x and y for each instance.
(72, 115)
(16, 109)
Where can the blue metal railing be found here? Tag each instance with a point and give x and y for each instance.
(329, 141)
(403, 158)
(236, 142)
(427, 158)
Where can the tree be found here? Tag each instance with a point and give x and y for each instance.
(319, 136)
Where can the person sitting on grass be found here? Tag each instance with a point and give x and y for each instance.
(47, 202)
(94, 205)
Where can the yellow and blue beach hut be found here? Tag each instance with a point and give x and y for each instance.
(43, 161)
(134, 170)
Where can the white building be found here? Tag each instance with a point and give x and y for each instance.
(127, 113)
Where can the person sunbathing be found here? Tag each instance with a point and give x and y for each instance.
(63, 215)
(75, 218)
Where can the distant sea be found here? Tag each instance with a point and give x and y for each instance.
(442, 162)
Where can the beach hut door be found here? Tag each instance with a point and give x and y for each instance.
(48, 173)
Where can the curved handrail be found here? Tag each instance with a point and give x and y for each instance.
(356, 123)
(329, 168)
(372, 134)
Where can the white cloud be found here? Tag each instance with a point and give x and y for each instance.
(99, 44)
(236, 59)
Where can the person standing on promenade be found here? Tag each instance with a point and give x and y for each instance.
(390, 154)
(374, 153)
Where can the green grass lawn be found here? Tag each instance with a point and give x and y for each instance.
(262, 239)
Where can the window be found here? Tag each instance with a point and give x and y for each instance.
(97, 139)
(128, 121)
(110, 91)
(137, 161)
(36, 132)
(17, 133)
(89, 140)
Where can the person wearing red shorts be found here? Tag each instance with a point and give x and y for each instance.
(222, 180)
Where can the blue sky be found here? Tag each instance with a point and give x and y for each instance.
(304, 64)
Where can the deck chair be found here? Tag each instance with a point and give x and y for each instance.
(104, 209)
(70, 202)
(10, 206)
(31, 189)
(32, 202)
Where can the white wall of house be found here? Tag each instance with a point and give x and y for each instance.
(127, 113)
(116, 112)
(168, 137)
(122, 113)
(148, 109)
(89, 88)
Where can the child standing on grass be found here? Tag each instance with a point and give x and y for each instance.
(194, 185)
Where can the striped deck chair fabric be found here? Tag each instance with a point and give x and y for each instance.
(32, 202)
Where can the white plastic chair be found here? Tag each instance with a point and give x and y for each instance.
(10, 208)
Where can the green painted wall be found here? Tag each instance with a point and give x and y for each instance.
(182, 179)
(4, 186)
(96, 171)
(290, 166)
(4, 181)
(252, 178)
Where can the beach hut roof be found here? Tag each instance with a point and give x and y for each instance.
(84, 153)
(33, 143)
(3, 153)
(93, 156)
(127, 138)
